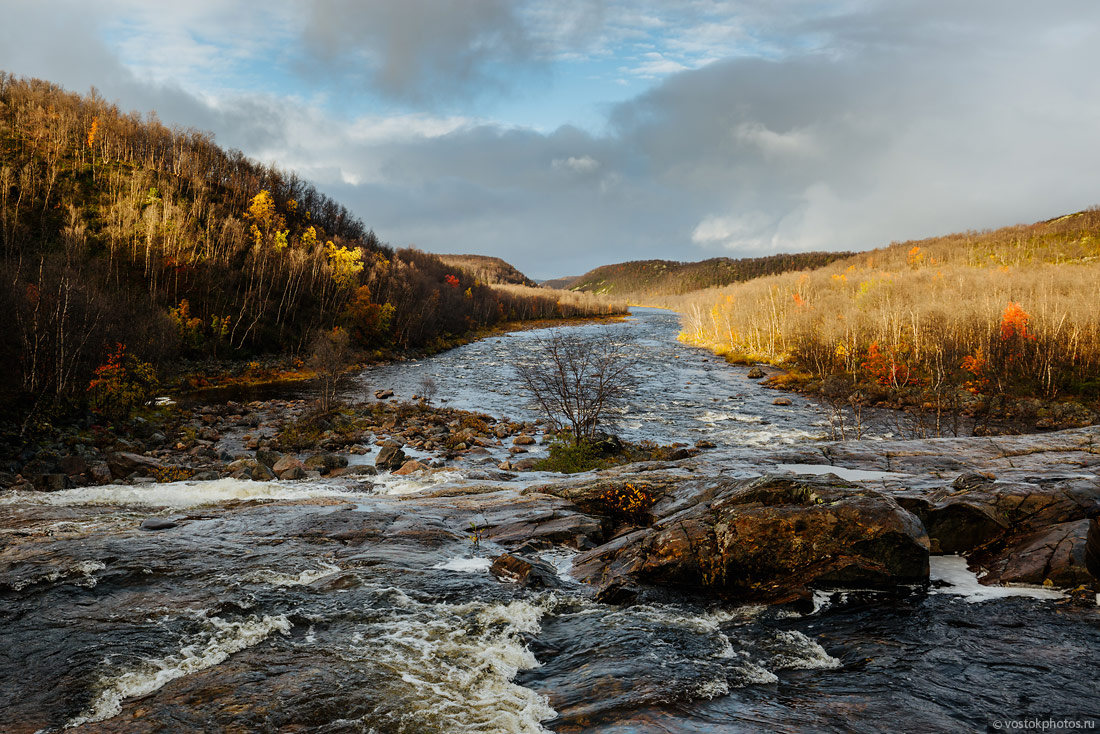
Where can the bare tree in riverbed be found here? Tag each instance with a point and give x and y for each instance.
(330, 356)
(576, 381)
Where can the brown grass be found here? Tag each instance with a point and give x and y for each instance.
(930, 313)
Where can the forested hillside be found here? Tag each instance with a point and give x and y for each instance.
(1005, 313)
(490, 270)
(642, 279)
(125, 244)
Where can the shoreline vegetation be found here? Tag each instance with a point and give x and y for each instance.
(991, 326)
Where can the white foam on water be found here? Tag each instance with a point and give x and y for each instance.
(792, 650)
(961, 581)
(465, 565)
(82, 574)
(562, 561)
(174, 494)
(222, 639)
(852, 475)
(451, 667)
(393, 484)
(712, 417)
(302, 578)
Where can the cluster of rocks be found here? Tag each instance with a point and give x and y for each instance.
(232, 439)
(1017, 508)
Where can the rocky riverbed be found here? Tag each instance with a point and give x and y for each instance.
(793, 584)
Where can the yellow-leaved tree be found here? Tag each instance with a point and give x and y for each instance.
(346, 264)
(267, 224)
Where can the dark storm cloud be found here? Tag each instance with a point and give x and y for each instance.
(420, 50)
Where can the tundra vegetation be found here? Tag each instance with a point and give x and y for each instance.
(977, 321)
(126, 246)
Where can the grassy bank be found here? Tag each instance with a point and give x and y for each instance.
(969, 321)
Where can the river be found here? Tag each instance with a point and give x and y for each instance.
(324, 607)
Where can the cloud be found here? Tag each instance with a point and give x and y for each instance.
(826, 125)
(576, 164)
(420, 51)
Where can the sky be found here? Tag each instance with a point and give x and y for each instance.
(562, 135)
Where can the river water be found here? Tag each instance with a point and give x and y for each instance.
(325, 607)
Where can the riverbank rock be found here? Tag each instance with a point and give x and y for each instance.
(410, 467)
(767, 539)
(524, 571)
(390, 456)
(124, 464)
(756, 373)
(1054, 555)
(158, 523)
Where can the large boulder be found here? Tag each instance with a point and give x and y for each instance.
(390, 456)
(325, 463)
(767, 539)
(1055, 554)
(124, 464)
(977, 511)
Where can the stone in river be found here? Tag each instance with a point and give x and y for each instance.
(286, 464)
(410, 467)
(156, 523)
(390, 456)
(325, 463)
(527, 572)
(1054, 555)
(260, 473)
(768, 539)
(123, 463)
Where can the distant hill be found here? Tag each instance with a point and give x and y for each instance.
(488, 270)
(668, 277)
(562, 284)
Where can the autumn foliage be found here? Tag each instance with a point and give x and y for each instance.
(120, 385)
(117, 229)
(1010, 312)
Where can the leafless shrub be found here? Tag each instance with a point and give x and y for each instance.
(330, 356)
(427, 389)
(576, 382)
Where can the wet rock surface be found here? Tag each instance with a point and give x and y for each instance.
(344, 605)
(767, 539)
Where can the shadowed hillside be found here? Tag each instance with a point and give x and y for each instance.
(491, 270)
(642, 279)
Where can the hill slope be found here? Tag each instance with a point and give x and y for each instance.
(996, 314)
(646, 278)
(487, 269)
(122, 238)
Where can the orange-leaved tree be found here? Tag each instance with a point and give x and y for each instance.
(121, 384)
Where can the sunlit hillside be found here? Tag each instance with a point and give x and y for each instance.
(1010, 311)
